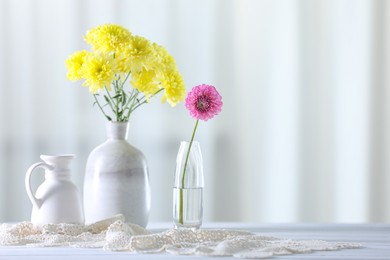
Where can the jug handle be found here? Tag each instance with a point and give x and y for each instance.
(35, 201)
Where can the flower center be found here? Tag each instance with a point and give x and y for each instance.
(203, 103)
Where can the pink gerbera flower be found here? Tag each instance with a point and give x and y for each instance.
(203, 102)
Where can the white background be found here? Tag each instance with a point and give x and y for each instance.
(304, 131)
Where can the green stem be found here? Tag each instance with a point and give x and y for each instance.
(116, 101)
(109, 96)
(101, 108)
(145, 101)
(132, 103)
(129, 99)
(184, 173)
(124, 81)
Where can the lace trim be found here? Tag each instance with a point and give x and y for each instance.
(116, 235)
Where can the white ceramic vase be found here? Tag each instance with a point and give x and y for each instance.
(57, 199)
(116, 180)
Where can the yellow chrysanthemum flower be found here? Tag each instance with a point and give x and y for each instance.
(124, 61)
(99, 71)
(140, 54)
(74, 65)
(136, 56)
(145, 82)
(163, 58)
(108, 38)
(174, 89)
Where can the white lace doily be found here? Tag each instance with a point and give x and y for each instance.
(116, 235)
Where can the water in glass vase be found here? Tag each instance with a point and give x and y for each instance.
(192, 208)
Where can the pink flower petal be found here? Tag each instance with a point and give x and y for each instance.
(204, 102)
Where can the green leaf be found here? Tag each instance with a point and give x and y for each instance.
(107, 99)
(109, 118)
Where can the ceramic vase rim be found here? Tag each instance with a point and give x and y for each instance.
(117, 122)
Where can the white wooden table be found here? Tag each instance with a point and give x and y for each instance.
(374, 237)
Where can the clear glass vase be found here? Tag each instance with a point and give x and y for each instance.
(188, 187)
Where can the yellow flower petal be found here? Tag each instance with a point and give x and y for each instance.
(140, 54)
(174, 89)
(74, 64)
(145, 82)
(108, 38)
(163, 58)
(99, 71)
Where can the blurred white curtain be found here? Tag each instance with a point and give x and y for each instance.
(304, 134)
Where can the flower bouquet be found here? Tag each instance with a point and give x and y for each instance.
(118, 57)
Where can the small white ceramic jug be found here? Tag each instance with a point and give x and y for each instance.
(57, 199)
